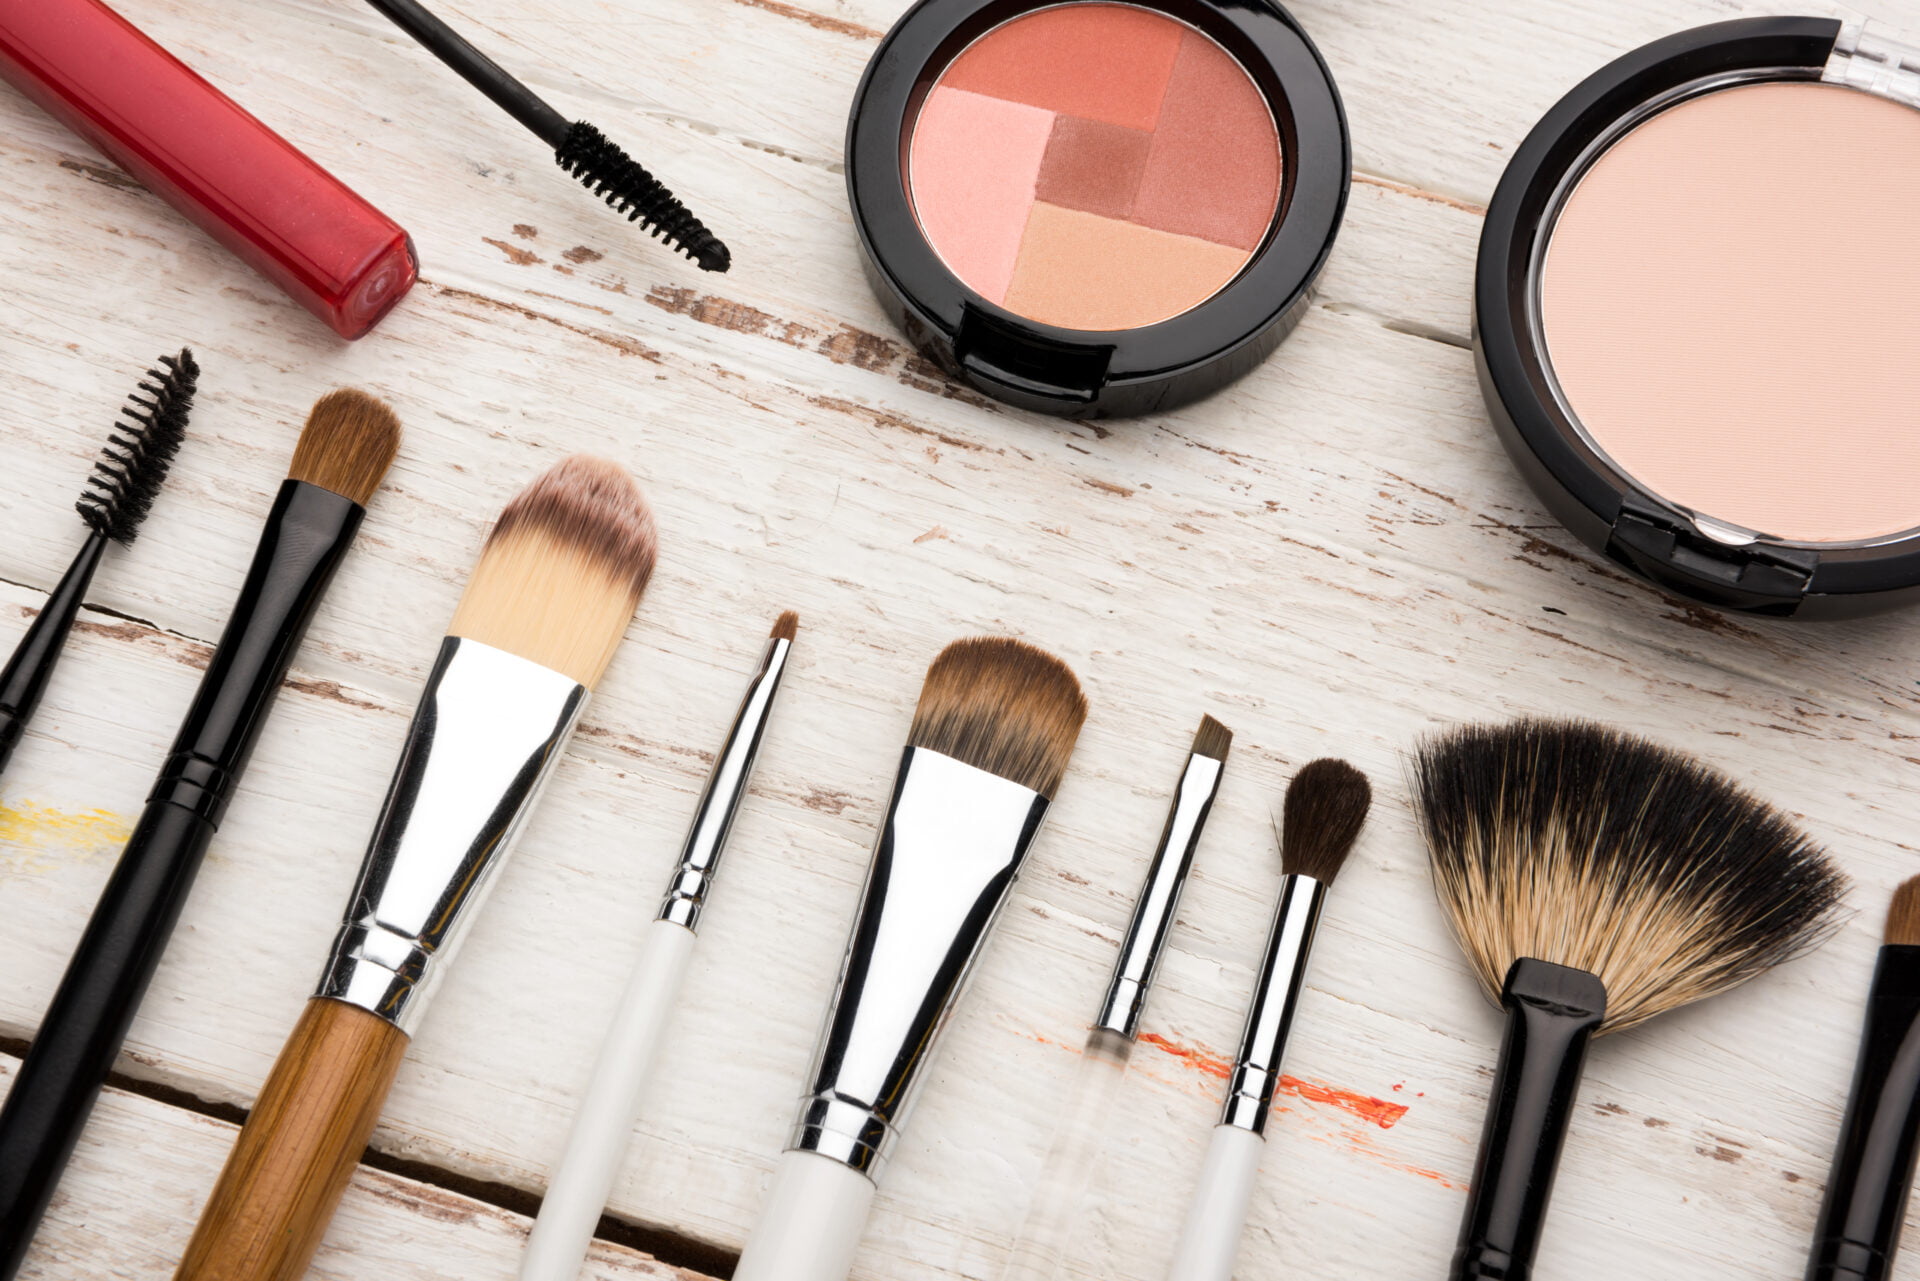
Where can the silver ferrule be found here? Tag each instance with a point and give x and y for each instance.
(485, 737)
(720, 800)
(952, 844)
(1276, 993)
(1159, 899)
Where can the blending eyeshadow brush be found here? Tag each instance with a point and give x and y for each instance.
(1594, 881)
(121, 489)
(597, 1143)
(991, 737)
(345, 449)
(1041, 1250)
(1865, 1206)
(546, 607)
(579, 148)
(1325, 808)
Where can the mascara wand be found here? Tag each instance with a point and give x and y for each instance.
(579, 148)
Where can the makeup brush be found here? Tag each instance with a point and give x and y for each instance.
(1595, 881)
(991, 738)
(579, 148)
(597, 1143)
(345, 449)
(126, 478)
(1041, 1250)
(555, 588)
(1325, 808)
(1865, 1206)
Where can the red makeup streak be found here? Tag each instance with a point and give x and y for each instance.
(1375, 1111)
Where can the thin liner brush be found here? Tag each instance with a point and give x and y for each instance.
(120, 491)
(597, 1142)
(547, 605)
(1325, 808)
(579, 148)
(1043, 1248)
(344, 451)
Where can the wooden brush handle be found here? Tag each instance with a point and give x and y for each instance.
(284, 1177)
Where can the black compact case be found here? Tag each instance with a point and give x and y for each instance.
(1608, 510)
(1081, 373)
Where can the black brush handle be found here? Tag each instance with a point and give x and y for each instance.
(1866, 1202)
(27, 672)
(306, 536)
(480, 71)
(1552, 1012)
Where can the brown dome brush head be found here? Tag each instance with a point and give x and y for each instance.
(1573, 843)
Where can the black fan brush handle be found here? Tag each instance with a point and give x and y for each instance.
(307, 534)
(480, 71)
(28, 671)
(1866, 1200)
(1552, 1012)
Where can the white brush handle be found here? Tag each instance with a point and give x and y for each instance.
(1048, 1236)
(597, 1145)
(812, 1224)
(1211, 1239)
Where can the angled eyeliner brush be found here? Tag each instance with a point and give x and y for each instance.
(349, 442)
(579, 148)
(597, 1143)
(131, 468)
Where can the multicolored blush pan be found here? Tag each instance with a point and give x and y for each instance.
(1086, 135)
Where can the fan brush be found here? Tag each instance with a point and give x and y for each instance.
(579, 148)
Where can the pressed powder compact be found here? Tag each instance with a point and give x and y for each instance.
(1095, 208)
(1695, 315)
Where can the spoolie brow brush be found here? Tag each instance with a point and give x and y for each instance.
(598, 1141)
(131, 468)
(579, 148)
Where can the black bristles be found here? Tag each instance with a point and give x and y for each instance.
(133, 464)
(624, 183)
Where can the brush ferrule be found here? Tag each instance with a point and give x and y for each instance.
(1276, 996)
(952, 844)
(485, 736)
(1154, 910)
(720, 800)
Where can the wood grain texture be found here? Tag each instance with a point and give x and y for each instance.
(288, 1169)
(1331, 557)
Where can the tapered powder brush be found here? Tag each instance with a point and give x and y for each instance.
(120, 491)
(1325, 808)
(597, 1141)
(995, 727)
(547, 605)
(344, 451)
(579, 148)
(1595, 881)
(1045, 1244)
(1865, 1206)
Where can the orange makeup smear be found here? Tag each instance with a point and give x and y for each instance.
(1374, 1111)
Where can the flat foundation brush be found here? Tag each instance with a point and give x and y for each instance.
(579, 148)
(1865, 1206)
(349, 442)
(1595, 881)
(991, 738)
(1326, 806)
(125, 480)
(546, 607)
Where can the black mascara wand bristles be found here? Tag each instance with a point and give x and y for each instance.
(118, 495)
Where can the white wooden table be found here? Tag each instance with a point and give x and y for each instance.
(1332, 557)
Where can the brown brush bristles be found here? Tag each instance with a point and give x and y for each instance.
(1002, 706)
(785, 627)
(1326, 807)
(1573, 843)
(347, 445)
(563, 569)
(1212, 739)
(1903, 914)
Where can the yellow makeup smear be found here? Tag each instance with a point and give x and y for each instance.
(27, 830)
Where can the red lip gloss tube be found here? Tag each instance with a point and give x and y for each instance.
(239, 181)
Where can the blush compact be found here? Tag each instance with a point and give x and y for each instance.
(1696, 322)
(1094, 208)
